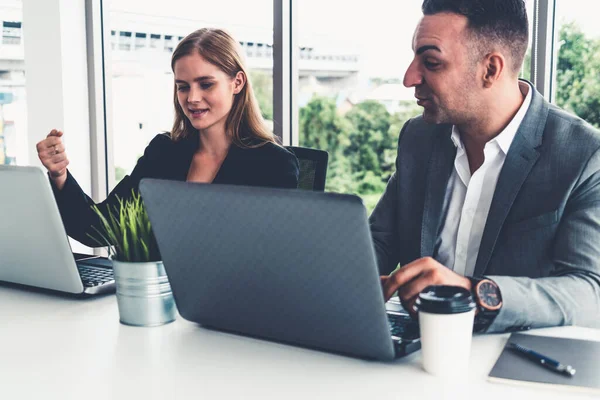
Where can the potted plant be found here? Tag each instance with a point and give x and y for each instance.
(144, 294)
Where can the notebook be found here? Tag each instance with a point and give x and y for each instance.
(583, 355)
(288, 265)
(34, 248)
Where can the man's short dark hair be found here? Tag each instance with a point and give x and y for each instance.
(492, 22)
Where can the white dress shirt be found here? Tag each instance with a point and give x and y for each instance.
(468, 197)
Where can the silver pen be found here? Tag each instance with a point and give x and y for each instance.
(543, 360)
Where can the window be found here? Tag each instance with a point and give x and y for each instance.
(12, 109)
(140, 40)
(113, 40)
(125, 41)
(250, 49)
(169, 43)
(14, 143)
(577, 87)
(351, 97)
(526, 71)
(142, 82)
(11, 32)
(154, 41)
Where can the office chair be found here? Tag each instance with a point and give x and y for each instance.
(313, 167)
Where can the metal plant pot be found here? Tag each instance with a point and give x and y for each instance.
(143, 293)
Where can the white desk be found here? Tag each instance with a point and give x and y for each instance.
(62, 348)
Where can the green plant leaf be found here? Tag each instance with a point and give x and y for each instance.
(126, 229)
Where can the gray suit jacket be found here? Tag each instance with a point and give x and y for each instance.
(541, 242)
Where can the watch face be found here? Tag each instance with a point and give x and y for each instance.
(489, 295)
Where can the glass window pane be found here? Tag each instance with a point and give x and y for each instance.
(351, 97)
(13, 118)
(526, 71)
(577, 85)
(146, 33)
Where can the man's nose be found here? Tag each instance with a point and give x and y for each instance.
(412, 77)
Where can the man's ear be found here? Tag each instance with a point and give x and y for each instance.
(239, 82)
(494, 68)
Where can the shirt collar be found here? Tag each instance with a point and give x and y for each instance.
(505, 138)
(456, 138)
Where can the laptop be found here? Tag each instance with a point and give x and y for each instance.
(34, 248)
(287, 265)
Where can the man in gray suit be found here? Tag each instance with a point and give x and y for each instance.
(495, 189)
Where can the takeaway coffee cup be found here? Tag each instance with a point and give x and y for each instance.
(446, 315)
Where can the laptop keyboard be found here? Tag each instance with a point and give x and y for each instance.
(93, 276)
(402, 326)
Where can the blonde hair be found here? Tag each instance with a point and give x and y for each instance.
(244, 123)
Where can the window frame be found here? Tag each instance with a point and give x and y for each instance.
(543, 48)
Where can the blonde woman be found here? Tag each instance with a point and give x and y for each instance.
(218, 135)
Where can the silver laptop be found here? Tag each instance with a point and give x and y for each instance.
(34, 248)
(291, 266)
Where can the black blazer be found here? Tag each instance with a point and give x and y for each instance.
(269, 165)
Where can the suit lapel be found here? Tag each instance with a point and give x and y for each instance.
(517, 165)
(521, 157)
(441, 164)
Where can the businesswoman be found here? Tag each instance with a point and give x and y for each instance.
(218, 136)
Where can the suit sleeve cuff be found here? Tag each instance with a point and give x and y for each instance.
(512, 315)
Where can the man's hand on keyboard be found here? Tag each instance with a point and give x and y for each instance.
(412, 278)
